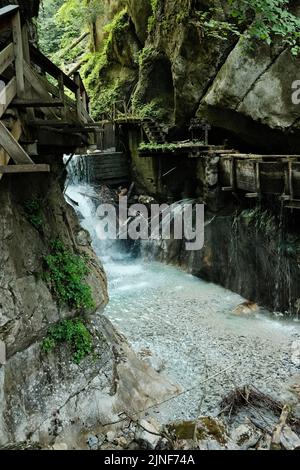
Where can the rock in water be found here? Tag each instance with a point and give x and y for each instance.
(246, 308)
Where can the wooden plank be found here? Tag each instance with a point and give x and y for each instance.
(8, 11)
(37, 103)
(16, 132)
(18, 51)
(7, 56)
(7, 95)
(33, 168)
(12, 147)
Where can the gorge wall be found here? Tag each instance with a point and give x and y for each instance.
(160, 57)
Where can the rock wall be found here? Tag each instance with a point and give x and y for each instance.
(180, 72)
(246, 251)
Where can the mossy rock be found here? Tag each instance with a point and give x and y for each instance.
(207, 427)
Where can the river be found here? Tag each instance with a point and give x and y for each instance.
(186, 329)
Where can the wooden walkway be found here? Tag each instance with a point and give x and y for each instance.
(42, 110)
(250, 175)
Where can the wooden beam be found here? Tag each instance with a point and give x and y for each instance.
(7, 56)
(16, 133)
(227, 189)
(7, 95)
(18, 51)
(33, 168)
(9, 10)
(37, 103)
(12, 147)
(47, 66)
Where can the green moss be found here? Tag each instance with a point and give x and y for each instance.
(167, 147)
(152, 147)
(211, 427)
(65, 273)
(206, 427)
(103, 91)
(71, 332)
(34, 213)
(158, 109)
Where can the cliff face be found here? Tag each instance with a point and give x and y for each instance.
(47, 396)
(181, 72)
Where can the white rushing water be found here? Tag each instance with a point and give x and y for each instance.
(185, 327)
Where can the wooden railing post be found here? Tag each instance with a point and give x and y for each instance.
(78, 95)
(18, 50)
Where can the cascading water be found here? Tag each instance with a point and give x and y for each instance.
(185, 328)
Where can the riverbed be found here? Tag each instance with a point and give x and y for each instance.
(185, 328)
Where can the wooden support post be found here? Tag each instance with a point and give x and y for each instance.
(62, 96)
(257, 177)
(78, 96)
(291, 186)
(232, 174)
(19, 56)
(12, 147)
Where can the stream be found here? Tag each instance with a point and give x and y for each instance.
(185, 328)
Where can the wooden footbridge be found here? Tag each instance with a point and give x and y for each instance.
(42, 110)
(246, 175)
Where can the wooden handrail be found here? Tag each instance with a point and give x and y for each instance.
(49, 67)
(8, 11)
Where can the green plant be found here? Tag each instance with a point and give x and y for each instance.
(152, 147)
(262, 220)
(65, 273)
(167, 147)
(33, 209)
(75, 334)
(269, 19)
(158, 109)
(152, 18)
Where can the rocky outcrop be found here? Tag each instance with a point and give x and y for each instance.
(186, 71)
(46, 397)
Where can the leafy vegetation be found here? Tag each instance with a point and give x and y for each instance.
(152, 19)
(103, 92)
(262, 220)
(167, 147)
(71, 332)
(269, 19)
(33, 208)
(65, 273)
(157, 109)
(63, 21)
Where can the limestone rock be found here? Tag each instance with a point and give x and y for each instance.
(60, 446)
(246, 436)
(148, 433)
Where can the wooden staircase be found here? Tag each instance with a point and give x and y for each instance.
(44, 113)
(154, 132)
